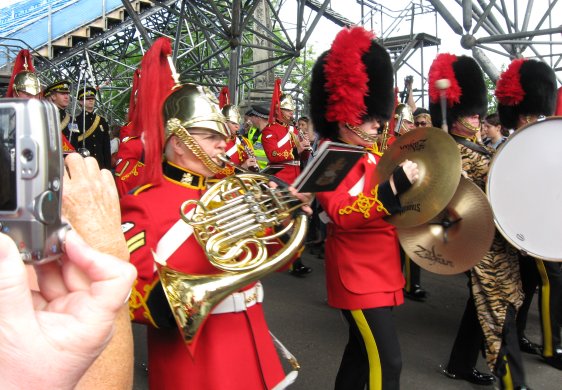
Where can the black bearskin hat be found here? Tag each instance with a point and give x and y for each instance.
(527, 87)
(466, 95)
(351, 82)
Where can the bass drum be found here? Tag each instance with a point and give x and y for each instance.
(525, 189)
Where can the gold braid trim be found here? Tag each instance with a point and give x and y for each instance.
(363, 204)
(138, 301)
(91, 129)
(133, 171)
(174, 127)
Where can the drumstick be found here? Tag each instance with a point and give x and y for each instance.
(442, 85)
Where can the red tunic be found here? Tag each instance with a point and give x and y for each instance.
(278, 142)
(236, 152)
(234, 350)
(129, 166)
(362, 255)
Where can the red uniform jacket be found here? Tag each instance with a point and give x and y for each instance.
(236, 152)
(234, 350)
(129, 166)
(279, 146)
(362, 256)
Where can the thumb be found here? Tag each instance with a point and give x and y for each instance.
(15, 297)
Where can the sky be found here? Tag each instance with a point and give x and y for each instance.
(431, 23)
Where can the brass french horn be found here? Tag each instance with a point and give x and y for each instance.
(234, 222)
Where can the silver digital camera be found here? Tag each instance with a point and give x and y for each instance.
(31, 171)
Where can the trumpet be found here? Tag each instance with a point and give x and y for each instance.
(384, 137)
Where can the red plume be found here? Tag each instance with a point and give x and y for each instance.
(274, 109)
(23, 62)
(347, 77)
(155, 85)
(508, 88)
(132, 99)
(442, 68)
(224, 97)
(558, 111)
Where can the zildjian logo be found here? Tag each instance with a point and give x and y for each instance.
(431, 256)
(414, 146)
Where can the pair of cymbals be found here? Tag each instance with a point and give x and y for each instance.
(457, 238)
(446, 225)
(439, 164)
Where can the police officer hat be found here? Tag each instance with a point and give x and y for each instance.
(87, 93)
(62, 86)
(259, 111)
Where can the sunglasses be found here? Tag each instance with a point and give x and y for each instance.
(418, 124)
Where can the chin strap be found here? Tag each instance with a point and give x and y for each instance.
(174, 127)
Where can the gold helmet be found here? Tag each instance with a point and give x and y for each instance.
(286, 102)
(403, 112)
(192, 106)
(26, 81)
(232, 113)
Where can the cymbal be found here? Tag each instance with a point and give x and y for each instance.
(456, 239)
(439, 164)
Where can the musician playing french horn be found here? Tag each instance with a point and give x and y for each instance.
(233, 347)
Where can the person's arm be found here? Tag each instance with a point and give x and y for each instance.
(49, 338)
(91, 205)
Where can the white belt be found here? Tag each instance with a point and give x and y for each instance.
(240, 301)
(293, 162)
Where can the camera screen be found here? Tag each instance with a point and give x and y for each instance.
(8, 194)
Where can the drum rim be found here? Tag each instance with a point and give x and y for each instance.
(488, 181)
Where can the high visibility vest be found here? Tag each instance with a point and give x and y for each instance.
(254, 136)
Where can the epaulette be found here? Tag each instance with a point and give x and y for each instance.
(128, 138)
(139, 189)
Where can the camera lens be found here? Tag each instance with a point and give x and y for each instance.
(27, 154)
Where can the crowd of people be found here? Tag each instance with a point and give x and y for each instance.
(174, 147)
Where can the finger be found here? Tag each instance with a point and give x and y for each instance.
(109, 183)
(111, 278)
(75, 165)
(50, 280)
(92, 167)
(15, 297)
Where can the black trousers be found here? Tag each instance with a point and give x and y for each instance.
(548, 276)
(411, 271)
(372, 354)
(470, 341)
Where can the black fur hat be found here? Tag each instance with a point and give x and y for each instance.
(351, 82)
(467, 94)
(527, 87)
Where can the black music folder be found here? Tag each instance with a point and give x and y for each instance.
(330, 164)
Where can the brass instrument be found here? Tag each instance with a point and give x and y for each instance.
(232, 222)
(384, 137)
(250, 152)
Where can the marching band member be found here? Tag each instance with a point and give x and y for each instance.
(280, 138)
(24, 82)
(234, 348)
(238, 148)
(351, 96)
(525, 92)
(494, 283)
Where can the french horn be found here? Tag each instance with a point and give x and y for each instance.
(235, 222)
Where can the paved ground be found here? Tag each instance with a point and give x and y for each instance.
(316, 334)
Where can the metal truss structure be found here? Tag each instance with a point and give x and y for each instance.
(244, 44)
